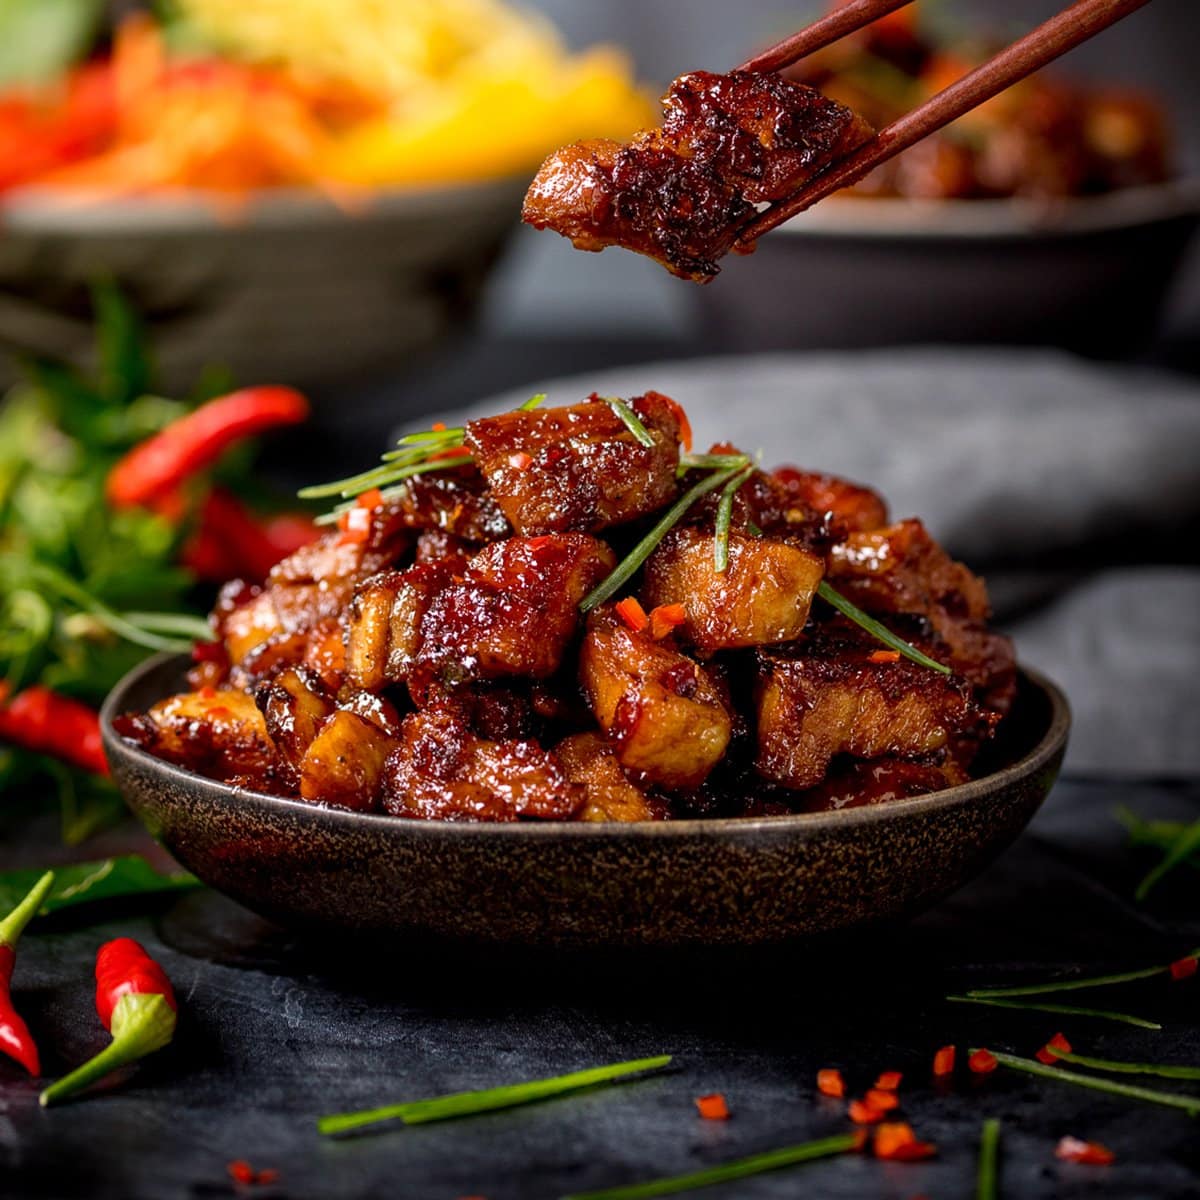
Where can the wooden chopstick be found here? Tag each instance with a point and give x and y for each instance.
(1074, 25)
(830, 28)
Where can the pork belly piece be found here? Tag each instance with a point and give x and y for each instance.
(294, 704)
(681, 192)
(513, 614)
(219, 733)
(343, 765)
(762, 596)
(857, 784)
(664, 715)
(588, 759)
(442, 771)
(456, 501)
(578, 467)
(825, 697)
(850, 507)
(445, 549)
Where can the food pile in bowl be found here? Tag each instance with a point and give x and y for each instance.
(564, 613)
(339, 95)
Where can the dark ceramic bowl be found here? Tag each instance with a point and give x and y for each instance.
(728, 882)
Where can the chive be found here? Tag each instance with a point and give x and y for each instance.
(1189, 1104)
(532, 403)
(1126, 1068)
(1184, 846)
(739, 1168)
(709, 462)
(630, 418)
(629, 565)
(989, 1153)
(1071, 985)
(876, 630)
(397, 476)
(753, 530)
(184, 624)
(1066, 1010)
(465, 1104)
(725, 517)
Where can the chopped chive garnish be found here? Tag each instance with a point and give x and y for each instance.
(1072, 985)
(1066, 1010)
(1184, 846)
(709, 462)
(739, 1168)
(465, 1104)
(196, 629)
(1120, 1067)
(628, 566)
(880, 632)
(725, 517)
(1189, 1104)
(630, 418)
(533, 402)
(989, 1156)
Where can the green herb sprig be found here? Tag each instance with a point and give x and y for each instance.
(1072, 985)
(1119, 1067)
(986, 1187)
(1062, 1010)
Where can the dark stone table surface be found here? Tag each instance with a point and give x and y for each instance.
(276, 1030)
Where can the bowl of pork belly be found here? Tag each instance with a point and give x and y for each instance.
(570, 683)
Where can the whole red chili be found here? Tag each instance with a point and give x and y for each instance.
(45, 722)
(15, 1038)
(137, 1005)
(196, 441)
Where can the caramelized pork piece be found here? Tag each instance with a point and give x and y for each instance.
(445, 549)
(578, 468)
(824, 697)
(681, 192)
(218, 733)
(343, 765)
(858, 784)
(851, 507)
(513, 614)
(458, 502)
(294, 705)
(589, 760)
(664, 714)
(442, 771)
(762, 596)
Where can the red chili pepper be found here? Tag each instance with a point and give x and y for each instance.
(882, 1100)
(196, 441)
(1183, 968)
(15, 1039)
(897, 1142)
(1092, 1154)
(1046, 1053)
(713, 1107)
(240, 1171)
(943, 1062)
(982, 1062)
(831, 1083)
(41, 720)
(664, 618)
(136, 1003)
(632, 613)
(888, 1081)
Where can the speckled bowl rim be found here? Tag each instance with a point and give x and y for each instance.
(1043, 752)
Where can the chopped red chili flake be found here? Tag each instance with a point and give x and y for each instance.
(882, 1100)
(943, 1061)
(982, 1062)
(862, 1113)
(632, 613)
(520, 461)
(438, 427)
(713, 1107)
(371, 498)
(355, 524)
(207, 692)
(831, 1083)
(860, 1139)
(1182, 968)
(664, 618)
(888, 1081)
(448, 452)
(1046, 1053)
(241, 1171)
(685, 426)
(895, 1140)
(268, 1175)
(1072, 1149)
(884, 656)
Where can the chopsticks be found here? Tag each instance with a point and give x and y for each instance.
(1074, 25)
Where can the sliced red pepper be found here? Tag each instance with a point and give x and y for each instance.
(355, 524)
(632, 613)
(896, 1142)
(372, 498)
(1072, 1149)
(45, 722)
(664, 618)
(15, 1039)
(831, 1083)
(196, 441)
(1046, 1053)
(982, 1062)
(1184, 968)
(943, 1062)
(888, 1081)
(713, 1107)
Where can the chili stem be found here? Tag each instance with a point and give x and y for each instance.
(1067, 1010)
(1125, 1068)
(465, 1104)
(878, 631)
(1189, 1104)
(989, 1155)
(1073, 985)
(14, 924)
(1182, 849)
(739, 1168)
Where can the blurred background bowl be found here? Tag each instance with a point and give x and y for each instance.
(287, 287)
(1090, 274)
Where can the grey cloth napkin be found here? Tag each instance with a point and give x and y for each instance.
(1075, 487)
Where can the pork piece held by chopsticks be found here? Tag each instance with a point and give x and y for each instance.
(680, 193)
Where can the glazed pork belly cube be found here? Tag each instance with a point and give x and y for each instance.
(442, 771)
(859, 783)
(664, 714)
(294, 704)
(763, 595)
(680, 193)
(578, 468)
(588, 759)
(850, 507)
(343, 765)
(514, 613)
(458, 502)
(824, 697)
(218, 732)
